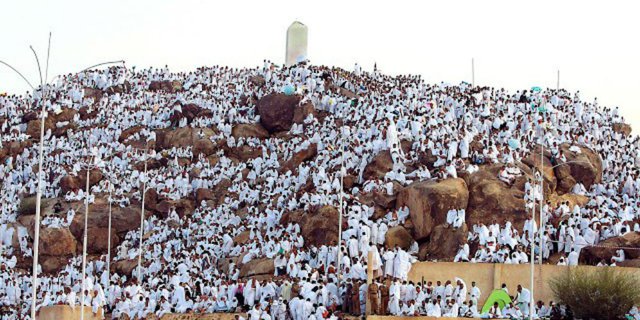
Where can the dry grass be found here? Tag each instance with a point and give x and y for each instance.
(603, 294)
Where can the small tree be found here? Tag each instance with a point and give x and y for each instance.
(604, 293)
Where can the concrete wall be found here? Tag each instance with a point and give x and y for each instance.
(66, 312)
(412, 318)
(490, 276)
(213, 316)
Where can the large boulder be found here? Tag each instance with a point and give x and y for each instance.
(127, 133)
(258, 268)
(58, 123)
(57, 242)
(607, 249)
(119, 88)
(443, 243)
(124, 267)
(299, 157)
(303, 111)
(623, 128)
(184, 207)
(584, 166)
(242, 237)
(257, 80)
(122, 219)
(71, 183)
(242, 153)
(93, 93)
(99, 240)
(166, 86)
(33, 128)
(276, 111)
(429, 202)
(318, 227)
(204, 194)
(52, 264)
(189, 111)
(491, 199)
(535, 161)
(249, 130)
(197, 138)
(379, 166)
(28, 205)
(398, 236)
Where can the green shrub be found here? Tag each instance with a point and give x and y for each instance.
(605, 293)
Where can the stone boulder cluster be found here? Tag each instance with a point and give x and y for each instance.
(481, 194)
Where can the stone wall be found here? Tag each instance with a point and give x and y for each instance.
(66, 312)
(490, 276)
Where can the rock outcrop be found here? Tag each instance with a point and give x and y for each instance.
(57, 242)
(299, 157)
(276, 111)
(197, 138)
(258, 268)
(593, 254)
(623, 128)
(444, 243)
(379, 166)
(429, 202)
(491, 199)
(249, 130)
(72, 183)
(318, 227)
(398, 236)
(584, 167)
(302, 112)
(166, 86)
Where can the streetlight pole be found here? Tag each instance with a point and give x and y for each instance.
(144, 189)
(532, 259)
(84, 242)
(473, 74)
(109, 238)
(36, 233)
(341, 211)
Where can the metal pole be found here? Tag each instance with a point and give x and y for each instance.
(542, 223)
(532, 259)
(340, 212)
(473, 74)
(36, 233)
(84, 242)
(109, 240)
(144, 189)
(558, 81)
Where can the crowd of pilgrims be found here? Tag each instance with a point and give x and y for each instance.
(187, 261)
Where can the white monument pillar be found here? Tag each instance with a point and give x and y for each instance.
(296, 43)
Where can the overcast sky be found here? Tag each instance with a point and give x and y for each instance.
(516, 44)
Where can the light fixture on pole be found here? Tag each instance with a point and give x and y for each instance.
(143, 191)
(44, 87)
(94, 162)
(341, 197)
(473, 73)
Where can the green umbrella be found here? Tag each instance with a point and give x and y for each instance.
(499, 296)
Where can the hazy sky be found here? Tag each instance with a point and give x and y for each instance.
(516, 44)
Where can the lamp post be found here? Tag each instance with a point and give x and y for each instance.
(144, 191)
(36, 234)
(94, 162)
(341, 211)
